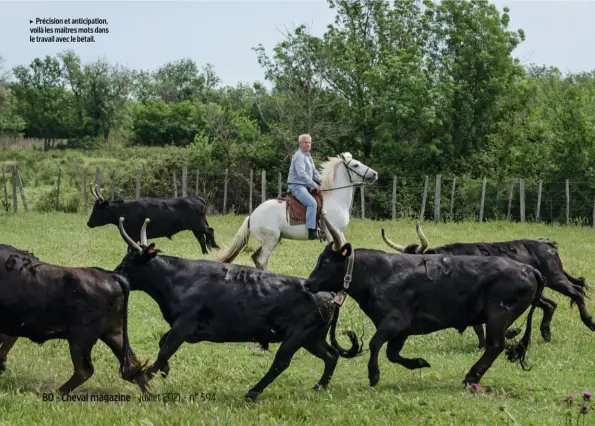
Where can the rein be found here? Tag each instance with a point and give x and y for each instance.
(341, 295)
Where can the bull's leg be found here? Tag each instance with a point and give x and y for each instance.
(211, 238)
(478, 328)
(202, 240)
(165, 369)
(115, 340)
(282, 360)
(321, 349)
(548, 306)
(495, 329)
(562, 285)
(6, 344)
(80, 352)
(178, 334)
(388, 329)
(393, 349)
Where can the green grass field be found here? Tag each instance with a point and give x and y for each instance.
(508, 395)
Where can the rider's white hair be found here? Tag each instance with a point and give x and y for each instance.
(304, 136)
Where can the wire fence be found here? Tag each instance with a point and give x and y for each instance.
(434, 198)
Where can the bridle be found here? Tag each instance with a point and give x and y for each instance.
(349, 171)
(342, 294)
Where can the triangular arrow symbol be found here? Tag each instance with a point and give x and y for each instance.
(30, 21)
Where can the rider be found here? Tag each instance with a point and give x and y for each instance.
(303, 176)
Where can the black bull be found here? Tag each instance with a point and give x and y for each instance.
(204, 300)
(542, 254)
(408, 295)
(170, 216)
(41, 301)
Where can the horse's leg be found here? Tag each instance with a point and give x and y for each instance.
(269, 238)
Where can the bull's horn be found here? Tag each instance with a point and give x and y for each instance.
(92, 189)
(128, 240)
(337, 238)
(422, 238)
(98, 192)
(391, 244)
(143, 233)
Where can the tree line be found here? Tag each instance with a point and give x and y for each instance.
(411, 87)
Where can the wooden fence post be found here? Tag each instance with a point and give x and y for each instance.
(452, 198)
(394, 202)
(251, 190)
(21, 190)
(85, 195)
(437, 199)
(225, 192)
(538, 209)
(362, 201)
(510, 190)
(522, 198)
(423, 203)
(567, 202)
(58, 190)
(185, 181)
(5, 190)
(14, 189)
(137, 183)
(263, 185)
(483, 199)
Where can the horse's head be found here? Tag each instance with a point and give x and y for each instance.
(357, 171)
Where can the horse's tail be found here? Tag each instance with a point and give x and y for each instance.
(239, 241)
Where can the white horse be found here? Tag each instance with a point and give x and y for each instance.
(268, 222)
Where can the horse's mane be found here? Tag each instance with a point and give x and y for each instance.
(328, 168)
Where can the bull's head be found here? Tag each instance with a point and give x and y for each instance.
(138, 251)
(330, 270)
(411, 248)
(100, 215)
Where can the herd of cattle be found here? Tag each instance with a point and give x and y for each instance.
(419, 290)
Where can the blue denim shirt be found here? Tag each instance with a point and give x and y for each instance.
(302, 170)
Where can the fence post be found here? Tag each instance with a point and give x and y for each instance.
(21, 190)
(197, 174)
(251, 189)
(280, 186)
(394, 202)
(538, 210)
(85, 195)
(423, 203)
(362, 201)
(173, 173)
(184, 181)
(58, 190)
(5, 190)
(14, 189)
(225, 192)
(510, 190)
(263, 185)
(137, 183)
(522, 198)
(483, 198)
(437, 199)
(567, 201)
(113, 191)
(452, 198)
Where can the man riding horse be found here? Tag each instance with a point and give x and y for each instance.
(304, 180)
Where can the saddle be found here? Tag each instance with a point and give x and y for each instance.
(295, 211)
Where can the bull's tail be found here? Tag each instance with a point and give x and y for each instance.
(355, 348)
(518, 351)
(131, 367)
(238, 243)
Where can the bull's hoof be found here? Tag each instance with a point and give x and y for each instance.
(2, 366)
(318, 387)
(165, 371)
(546, 334)
(481, 346)
(374, 379)
(251, 396)
(151, 371)
(511, 333)
(470, 380)
(422, 363)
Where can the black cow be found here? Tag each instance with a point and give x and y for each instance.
(41, 302)
(204, 300)
(171, 215)
(541, 253)
(408, 295)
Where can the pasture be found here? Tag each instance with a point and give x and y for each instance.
(211, 379)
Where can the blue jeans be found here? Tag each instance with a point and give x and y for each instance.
(301, 193)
